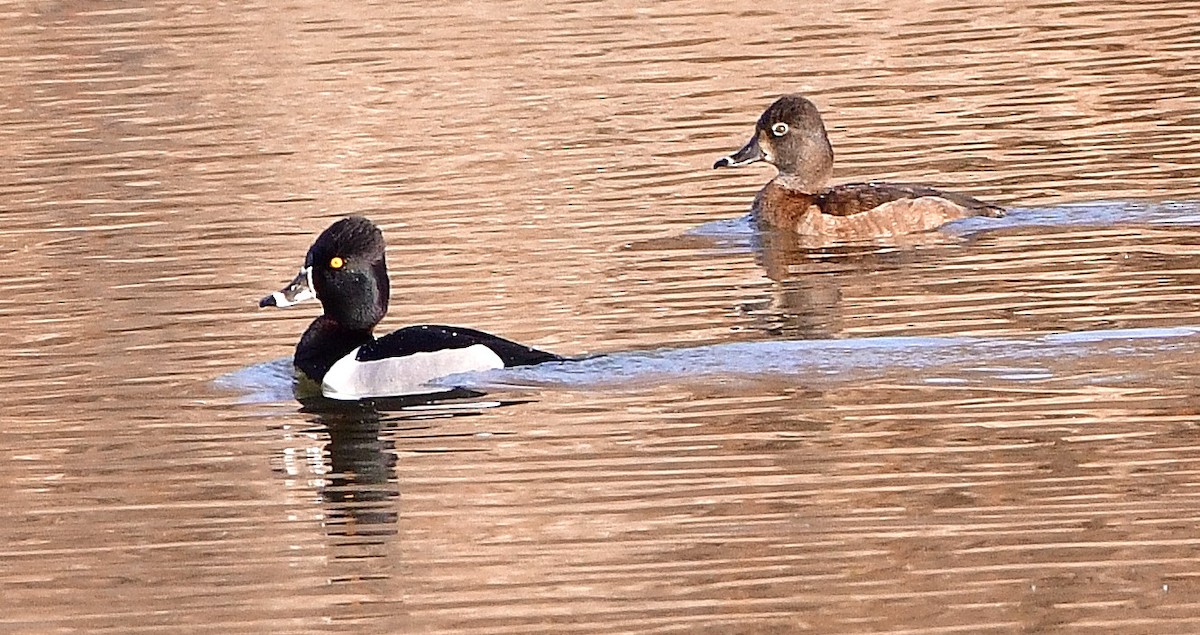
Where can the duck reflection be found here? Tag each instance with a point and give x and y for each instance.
(360, 486)
(806, 301)
(357, 465)
(810, 276)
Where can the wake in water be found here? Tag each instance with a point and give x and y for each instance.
(741, 232)
(834, 362)
(1109, 355)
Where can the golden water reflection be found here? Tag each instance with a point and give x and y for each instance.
(540, 171)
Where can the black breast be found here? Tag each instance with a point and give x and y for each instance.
(323, 344)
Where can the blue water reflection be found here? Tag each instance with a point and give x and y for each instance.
(934, 360)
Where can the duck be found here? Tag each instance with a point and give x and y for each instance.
(790, 135)
(346, 270)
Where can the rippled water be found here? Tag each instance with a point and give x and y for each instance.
(987, 429)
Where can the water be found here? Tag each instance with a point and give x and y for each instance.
(986, 429)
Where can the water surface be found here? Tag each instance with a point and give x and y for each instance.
(987, 429)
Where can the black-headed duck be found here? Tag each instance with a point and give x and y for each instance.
(345, 269)
(791, 136)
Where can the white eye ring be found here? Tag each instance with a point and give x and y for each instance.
(779, 129)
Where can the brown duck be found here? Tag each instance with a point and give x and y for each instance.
(791, 136)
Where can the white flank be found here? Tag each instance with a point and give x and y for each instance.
(350, 379)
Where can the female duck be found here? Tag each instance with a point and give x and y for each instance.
(345, 269)
(791, 136)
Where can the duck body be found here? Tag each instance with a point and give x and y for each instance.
(791, 135)
(346, 270)
(860, 211)
(406, 361)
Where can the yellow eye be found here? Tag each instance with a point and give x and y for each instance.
(337, 262)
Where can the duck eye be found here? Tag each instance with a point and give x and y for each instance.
(779, 129)
(336, 262)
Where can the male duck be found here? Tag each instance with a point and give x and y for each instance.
(791, 136)
(345, 269)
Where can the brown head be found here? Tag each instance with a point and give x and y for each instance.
(790, 136)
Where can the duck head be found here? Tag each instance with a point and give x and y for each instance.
(791, 136)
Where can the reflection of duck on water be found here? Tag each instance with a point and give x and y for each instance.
(791, 136)
(345, 269)
(805, 300)
(361, 486)
(358, 464)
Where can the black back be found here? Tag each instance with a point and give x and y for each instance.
(428, 338)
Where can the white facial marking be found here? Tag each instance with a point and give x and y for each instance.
(282, 301)
(349, 379)
(779, 129)
(730, 162)
(311, 291)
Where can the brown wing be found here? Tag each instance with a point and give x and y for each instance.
(853, 198)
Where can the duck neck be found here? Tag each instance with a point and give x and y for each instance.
(806, 164)
(324, 343)
(807, 184)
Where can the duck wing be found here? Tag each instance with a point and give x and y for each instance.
(431, 338)
(854, 198)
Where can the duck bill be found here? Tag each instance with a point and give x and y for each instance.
(297, 291)
(750, 153)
